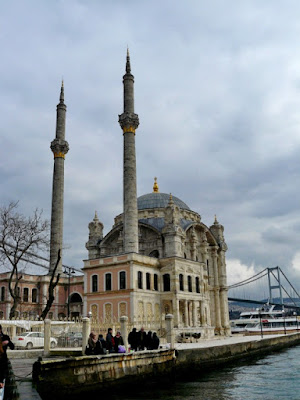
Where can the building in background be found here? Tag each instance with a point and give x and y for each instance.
(159, 257)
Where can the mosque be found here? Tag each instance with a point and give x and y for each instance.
(159, 257)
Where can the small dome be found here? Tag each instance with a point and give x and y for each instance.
(158, 200)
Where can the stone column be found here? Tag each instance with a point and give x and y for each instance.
(85, 332)
(129, 121)
(47, 335)
(59, 147)
(170, 330)
(177, 313)
(186, 313)
(124, 330)
(195, 304)
(202, 314)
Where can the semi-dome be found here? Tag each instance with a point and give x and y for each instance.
(158, 200)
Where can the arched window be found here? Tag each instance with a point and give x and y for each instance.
(75, 298)
(3, 293)
(155, 282)
(181, 284)
(25, 295)
(34, 295)
(140, 280)
(108, 281)
(95, 283)
(148, 281)
(190, 283)
(154, 253)
(166, 280)
(122, 280)
(197, 285)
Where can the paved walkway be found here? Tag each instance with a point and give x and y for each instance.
(222, 341)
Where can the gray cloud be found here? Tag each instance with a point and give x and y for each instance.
(217, 93)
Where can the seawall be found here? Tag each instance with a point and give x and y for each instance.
(218, 354)
(86, 374)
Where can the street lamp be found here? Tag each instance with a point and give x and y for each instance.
(284, 326)
(69, 271)
(261, 328)
(295, 314)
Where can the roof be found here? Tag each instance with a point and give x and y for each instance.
(158, 200)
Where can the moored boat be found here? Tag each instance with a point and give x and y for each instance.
(273, 326)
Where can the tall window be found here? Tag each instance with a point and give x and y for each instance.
(197, 285)
(95, 283)
(148, 284)
(166, 280)
(181, 286)
(34, 295)
(108, 281)
(25, 295)
(122, 280)
(2, 293)
(207, 264)
(190, 284)
(155, 282)
(140, 280)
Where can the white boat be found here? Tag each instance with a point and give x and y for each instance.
(246, 317)
(273, 326)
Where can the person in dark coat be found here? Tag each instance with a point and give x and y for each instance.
(3, 365)
(133, 339)
(6, 342)
(118, 341)
(142, 339)
(155, 341)
(149, 340)
(101, 345)
(110, 341)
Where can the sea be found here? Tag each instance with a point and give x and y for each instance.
(273, 377)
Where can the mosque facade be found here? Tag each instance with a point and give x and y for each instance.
(159, 257)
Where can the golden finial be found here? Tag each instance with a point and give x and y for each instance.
(216, 221)
(171, 199)
(155, 186)
(96, 216)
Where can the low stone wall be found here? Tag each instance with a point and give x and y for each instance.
(215, 356)
(85, 374)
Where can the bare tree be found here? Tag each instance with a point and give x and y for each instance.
(52, 284)
(21, 238)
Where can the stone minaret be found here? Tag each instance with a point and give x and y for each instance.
(59, 147)
(129, 121)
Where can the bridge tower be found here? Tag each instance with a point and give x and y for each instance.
(274, 286)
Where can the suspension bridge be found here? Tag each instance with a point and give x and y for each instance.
(270, 285)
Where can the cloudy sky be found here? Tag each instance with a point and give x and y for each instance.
(217, 90)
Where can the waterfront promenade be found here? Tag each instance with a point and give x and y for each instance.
(22, 360)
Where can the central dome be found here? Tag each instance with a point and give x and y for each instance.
(158, 200)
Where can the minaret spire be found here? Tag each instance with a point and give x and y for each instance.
(129, 121)
(59, 147)
(128, 67)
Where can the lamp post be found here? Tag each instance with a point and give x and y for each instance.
(284, 326)
(261, 328)
(295, 314)
(69, 271)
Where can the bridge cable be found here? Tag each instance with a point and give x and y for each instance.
(249, 280)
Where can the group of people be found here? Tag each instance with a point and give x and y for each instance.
(138, 340)
(111, 344)
(142, 340)
(5, 342)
